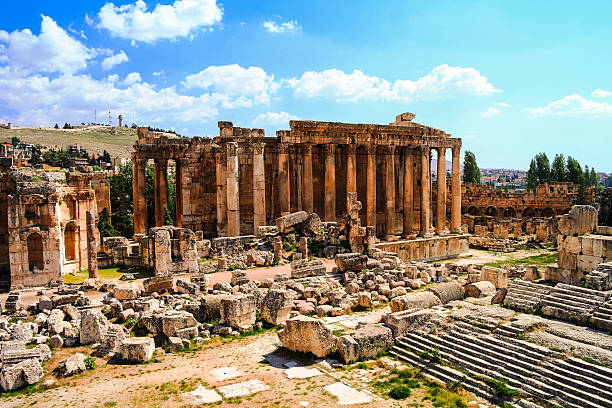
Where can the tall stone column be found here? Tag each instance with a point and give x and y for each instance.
(351, 169)
(441, 203)
(390, 192)
(259, 187)
(307, 195)
(221, 164)
(330, 182)
(371, 187)
(178, 189)
(92, 244)
(139, 195)
(456, 192)
(425, 196)
(233, 191)
(283, 179)
(408, 194)
(161, 190)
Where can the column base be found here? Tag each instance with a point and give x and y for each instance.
(409, 236)
(443, 232)
(390, 238)
(426, 234)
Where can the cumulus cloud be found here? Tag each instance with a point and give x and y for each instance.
(132, 78)
(53, 50)
(180, 19)
(273, 118)
(291, 26)
(573, 105)
(502, 104)
(119, 58)
(159, 73)
(249, 85)
(442, 81)
(600, 93)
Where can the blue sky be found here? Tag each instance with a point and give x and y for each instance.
(510, 78)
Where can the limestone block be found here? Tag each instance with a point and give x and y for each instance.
(587, 263)
(351, 262)
(276, 306)
(497, 276)
(238, 311)
(499, 296)
(479, 289)
(582, 219)
(304, 268)
(290, 222)
(178, 323)
(532, 273)
(568, 261)
(75, 364)
(93, 326)
(587, 245)
(308, 335)
(449, 291)
(27, 372)
(136, 349)
(414, 301)
(126, 291)
(158, 284)
(184, 286)
(212, 306)
(368, 341)
(365, 300)
(405, 321)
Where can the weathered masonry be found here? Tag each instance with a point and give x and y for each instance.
(242, 180)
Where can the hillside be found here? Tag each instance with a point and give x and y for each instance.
(96, 139)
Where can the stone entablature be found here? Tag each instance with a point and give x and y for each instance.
(548, 200)
(43, 226)
(242, 180)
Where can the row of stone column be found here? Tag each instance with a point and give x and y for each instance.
(408, 193)
(228, 187)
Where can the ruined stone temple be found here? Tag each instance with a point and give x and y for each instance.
(242, 180)
(47, 226)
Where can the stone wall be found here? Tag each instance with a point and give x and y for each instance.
(427, 249)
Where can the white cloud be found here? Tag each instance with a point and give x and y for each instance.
(159, 73)
(53, 50)
(113, 60)
(250, 85)
(180, 19)
(291, 26)
(489, 113)
(600, 93)
(273, 118)
(573, 105)
(132, 78)
(502, 104)
(442, 81)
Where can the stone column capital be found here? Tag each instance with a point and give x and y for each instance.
(231, 149)
(330, 148)
(258, 148)
(388, 149)
(283, 148)
(441, 150)
(306, 148)
(371, 149)
(456, 151)
(351, 149)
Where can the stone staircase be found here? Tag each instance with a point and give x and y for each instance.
(572, 303)
(525, 296)
(602, 318)
(535, 371)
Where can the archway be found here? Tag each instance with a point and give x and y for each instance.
(35, 252)
(491, 211)
(548, 212)
(509, 212)
(472, 210)
(70, 242)
(528, 212)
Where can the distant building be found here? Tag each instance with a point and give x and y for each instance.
(76, 148)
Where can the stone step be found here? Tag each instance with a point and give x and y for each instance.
(522, 347)
(445, 375)
(470, 328)
(580, 289)
(534, 287)
(603, 374)
(561, 368)
(574, 299)
(567, 307)
(602, 323)
(507, 330)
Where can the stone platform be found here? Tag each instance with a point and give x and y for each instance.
(428, 249)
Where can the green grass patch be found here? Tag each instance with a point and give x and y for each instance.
(540, 261)
(107, 274)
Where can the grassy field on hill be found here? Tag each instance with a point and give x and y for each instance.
(96, 139)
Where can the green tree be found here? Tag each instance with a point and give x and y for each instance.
(15, 141)
(542, 168)
(593, 180)
(471, 172)
(558, 171)
(574, 171)
(532, 175)
(121, 200)
(104, 224)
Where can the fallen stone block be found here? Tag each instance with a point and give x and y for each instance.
(479, 289)
(290, 222)
(27, 372)
(179, 324)
(93, 326)
(351, 262)
(365, 342)
(136, 349)
(158, 284)
(308, 335)
(304, 268)
(449, 291)
(238, 311)
(276, 306)
(126, 291)
(497, 276)
(415, 301)
(186, 287)
(406, 321)
(75, 364)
